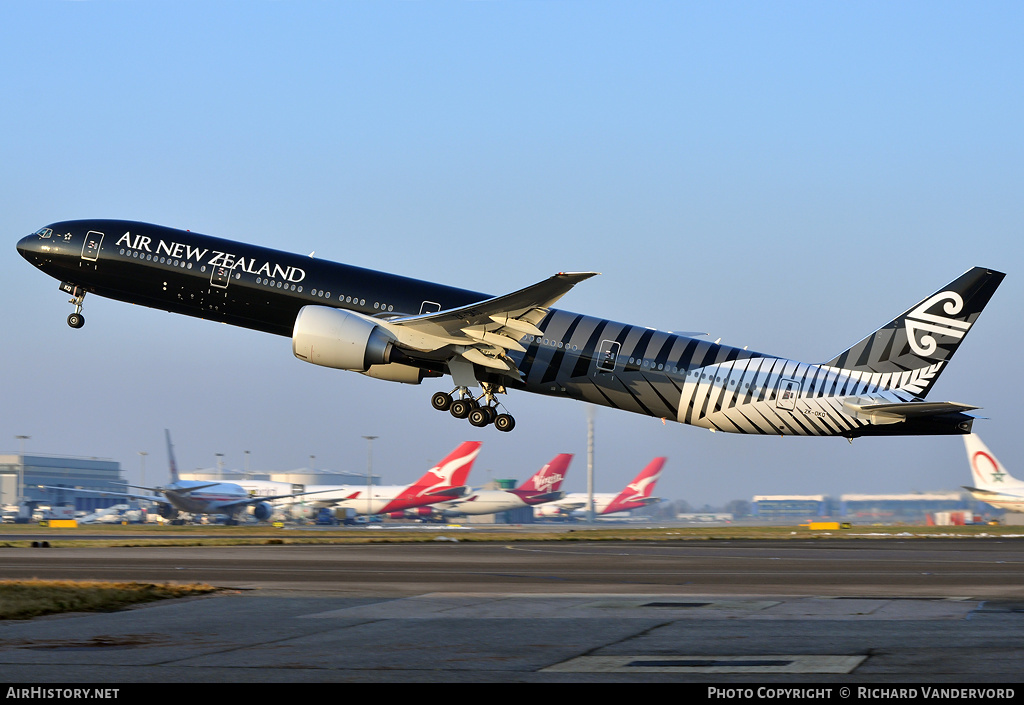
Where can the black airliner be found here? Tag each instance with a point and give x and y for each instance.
(405, 330)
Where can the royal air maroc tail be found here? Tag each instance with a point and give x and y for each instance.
(407, 330)
(992, 483)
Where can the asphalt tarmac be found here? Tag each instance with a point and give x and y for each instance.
(924, 611)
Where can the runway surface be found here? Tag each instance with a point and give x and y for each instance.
(919, 610)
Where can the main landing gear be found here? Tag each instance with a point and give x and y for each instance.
(467, 407)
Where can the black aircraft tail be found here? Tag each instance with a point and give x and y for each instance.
(927, 335)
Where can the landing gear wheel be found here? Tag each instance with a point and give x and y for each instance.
(460, 408)
(480, 417)
(504, 422)
(441, 401)
(76, 320)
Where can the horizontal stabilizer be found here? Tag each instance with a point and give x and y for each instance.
(447, 492)
(980, 493)
(894, 412)
(546, 497)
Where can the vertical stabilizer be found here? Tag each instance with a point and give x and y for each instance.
(170, 458)
(987, 472)
(927, 335)
(549, 478)
(638, 492)
(453, 471)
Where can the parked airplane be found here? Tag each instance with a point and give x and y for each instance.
(406, 330)
(993, 484)
(197, 497)
(544, 486)
(635, 495)
(446, 480)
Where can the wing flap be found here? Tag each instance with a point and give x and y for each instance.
(484, 332)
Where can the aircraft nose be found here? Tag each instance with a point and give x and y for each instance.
(35, 248)
(28, 246)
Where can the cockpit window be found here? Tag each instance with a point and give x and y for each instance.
(44, 232)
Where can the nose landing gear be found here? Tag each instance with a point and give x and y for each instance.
(76, 319)
(466, 407)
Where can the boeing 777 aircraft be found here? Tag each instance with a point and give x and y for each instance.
(993, 484)
(406, 330)
(197, 497)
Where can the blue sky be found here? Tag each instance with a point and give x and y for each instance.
(788, 176)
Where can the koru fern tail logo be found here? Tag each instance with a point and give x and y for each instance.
(928, 325)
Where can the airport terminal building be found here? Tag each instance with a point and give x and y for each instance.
(912, 507)
(31, 471)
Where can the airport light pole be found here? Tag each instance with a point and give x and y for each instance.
(220, 466)
(590, 467)
(142, 468)
(369, 470)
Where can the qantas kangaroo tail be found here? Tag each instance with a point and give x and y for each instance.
(988, 473)
(638, 492)
(452, 472)
(924, 338)
(549, 478)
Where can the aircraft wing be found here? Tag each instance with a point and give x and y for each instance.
(894, 412)
(483, 332)
(256, 499)
(103, 493)
(571, 506)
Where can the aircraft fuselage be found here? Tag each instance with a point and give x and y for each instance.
(629, 367)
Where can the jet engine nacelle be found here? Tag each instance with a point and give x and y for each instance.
(396, 372)
(334, 338)
(301, 511)
(167, 511)
(262, 511)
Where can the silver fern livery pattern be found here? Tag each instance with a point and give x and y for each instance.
(877, 387)
(406, 330)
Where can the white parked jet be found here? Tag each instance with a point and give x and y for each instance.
(544, 486)
(446, 480)
(197, 497)
(635, 495)
(993, 484)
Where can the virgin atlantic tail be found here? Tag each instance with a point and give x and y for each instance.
(547, 481)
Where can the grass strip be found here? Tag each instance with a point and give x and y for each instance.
(25, 599)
